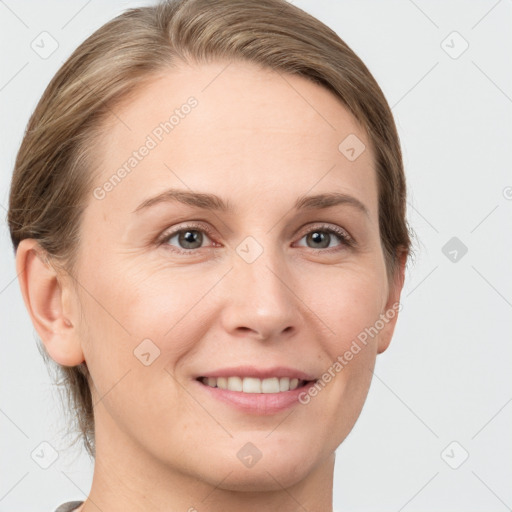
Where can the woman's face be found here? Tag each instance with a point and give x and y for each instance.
(174, 287)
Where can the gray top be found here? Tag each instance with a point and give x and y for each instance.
(69, 506)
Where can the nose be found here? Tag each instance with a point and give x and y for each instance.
(260, 302)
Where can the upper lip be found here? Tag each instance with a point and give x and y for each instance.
(259, 373)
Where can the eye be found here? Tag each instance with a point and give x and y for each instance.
(322, 236)
(188, 238)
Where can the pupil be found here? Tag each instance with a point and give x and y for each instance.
(190, 237)
(319, 237)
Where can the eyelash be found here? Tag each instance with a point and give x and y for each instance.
(344, 237)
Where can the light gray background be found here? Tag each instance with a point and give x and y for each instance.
(446, 376)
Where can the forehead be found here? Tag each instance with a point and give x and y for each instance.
(233, 128)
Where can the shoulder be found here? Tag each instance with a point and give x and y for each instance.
(69, 506)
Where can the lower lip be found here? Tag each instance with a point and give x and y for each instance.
(257, 403)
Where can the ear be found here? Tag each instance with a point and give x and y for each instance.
(390, 314)
(47, 299)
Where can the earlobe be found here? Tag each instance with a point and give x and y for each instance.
(45, 300)
(393, 306)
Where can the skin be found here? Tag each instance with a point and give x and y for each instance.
(259, 140)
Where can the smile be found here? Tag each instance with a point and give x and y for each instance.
(253, 384)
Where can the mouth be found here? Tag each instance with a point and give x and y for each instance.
(255, 385)
(255, 390)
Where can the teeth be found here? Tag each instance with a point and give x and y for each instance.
(270, 385)
(252, 384)
(234, 383)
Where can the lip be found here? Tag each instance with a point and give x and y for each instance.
(262, 404)
(259, 373)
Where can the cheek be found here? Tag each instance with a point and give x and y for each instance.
(350, 309)
(131, 318)
(352, 304)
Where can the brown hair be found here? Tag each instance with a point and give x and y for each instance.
(53, 175)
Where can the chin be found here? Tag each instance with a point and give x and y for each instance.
(270, 473)
(263, 478)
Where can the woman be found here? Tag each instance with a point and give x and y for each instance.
(208, 212)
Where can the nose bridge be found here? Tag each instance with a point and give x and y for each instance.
(260, 296)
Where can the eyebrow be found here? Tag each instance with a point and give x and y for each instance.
(216, 203)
